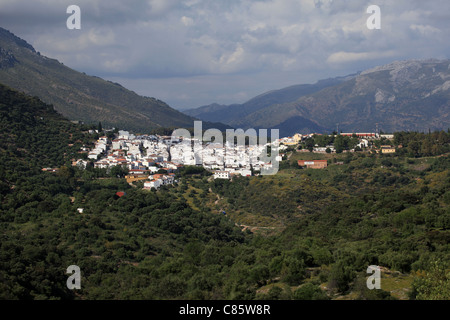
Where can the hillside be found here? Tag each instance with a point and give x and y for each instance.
(237, 115)
(301, 234)
(43, 233)
(78, 96)
(33, 136)
(403, 95)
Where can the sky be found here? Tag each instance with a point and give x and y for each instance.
(191, 53)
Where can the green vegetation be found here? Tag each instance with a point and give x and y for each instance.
(340, 143)
(301, 234)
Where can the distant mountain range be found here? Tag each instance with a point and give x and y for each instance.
(78, 96)
(411, 95)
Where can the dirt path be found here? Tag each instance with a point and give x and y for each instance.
(255, 228)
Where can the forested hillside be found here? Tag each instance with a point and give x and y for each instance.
(301, 234)
(43, 233)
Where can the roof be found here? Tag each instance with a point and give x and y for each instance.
(120, 194)
(315, 161)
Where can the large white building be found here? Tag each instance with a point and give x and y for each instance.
(221, 175)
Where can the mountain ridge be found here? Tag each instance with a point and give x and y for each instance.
(228, 113)
(403, 95)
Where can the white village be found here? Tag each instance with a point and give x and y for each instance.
(155, 159)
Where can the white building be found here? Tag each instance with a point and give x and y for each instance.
(93, 155)
(363, 143)
(152, 184)
(159, 180)
(221, 175)
(244, 172)
(80, 163)
(102, 164)
(126, 135)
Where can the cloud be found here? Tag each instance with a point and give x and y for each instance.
(187, 21)
(348, 57)
(267, 42)
(425, 29)
(89, 40)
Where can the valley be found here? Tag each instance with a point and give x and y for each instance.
(300, 234)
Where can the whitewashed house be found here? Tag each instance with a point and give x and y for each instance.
(80, 163)
(152, 184)
(221, 175)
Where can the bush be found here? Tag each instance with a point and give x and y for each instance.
(309, 291)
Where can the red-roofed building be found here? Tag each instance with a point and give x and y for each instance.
(120, 194)
(313, 164)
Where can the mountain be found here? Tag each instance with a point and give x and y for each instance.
(404, 95)
(237, 115)
(78, 96)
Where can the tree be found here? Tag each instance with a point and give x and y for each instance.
(414, 148)
(341, 275)
(110, 135)
(309, 291)
(293, 270)
(66, 172)
(309, 143)
(434, 285)
(119, 171)
(427, 148)
(339, 144)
